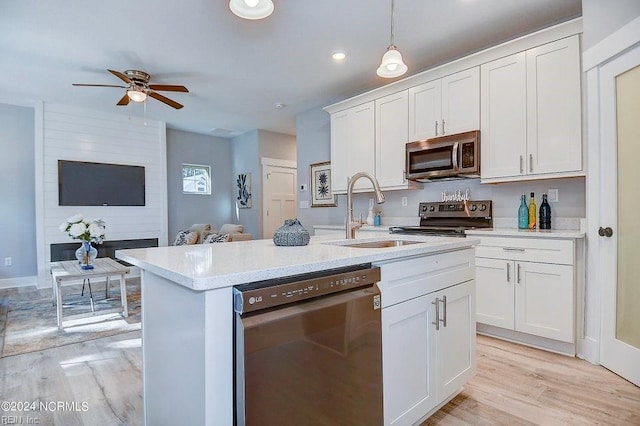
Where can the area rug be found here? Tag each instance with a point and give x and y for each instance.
(28, 317)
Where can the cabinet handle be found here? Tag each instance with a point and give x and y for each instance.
(521, 169)
(443, 132)
(530, 163)
(513, 249)
(437, 321)
(518, 274)
(436, 127)
(508, 272)
(444, 310)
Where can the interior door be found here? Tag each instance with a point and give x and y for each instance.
(619, 230)
(279, 197)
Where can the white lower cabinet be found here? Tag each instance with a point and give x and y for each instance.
(428, 340)
(527, 285)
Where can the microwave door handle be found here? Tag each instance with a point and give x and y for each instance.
(454, 157)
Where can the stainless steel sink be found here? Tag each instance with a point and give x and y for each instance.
(380, 243)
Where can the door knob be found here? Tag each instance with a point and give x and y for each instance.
(605, 232)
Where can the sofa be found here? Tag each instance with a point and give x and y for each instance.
(204, 233)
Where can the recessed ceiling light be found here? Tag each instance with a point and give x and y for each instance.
(279, 105)
(339, 56)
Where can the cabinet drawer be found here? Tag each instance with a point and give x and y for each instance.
(527, 249)
(414, 277)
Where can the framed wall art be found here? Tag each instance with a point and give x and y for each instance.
(243, 185)
(321, 189)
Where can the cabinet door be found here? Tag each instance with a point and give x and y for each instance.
(456, 338)
(495, 292)
(408, 356)
(544, 300)
(391, 137)
(461, 102)
(554, 107)
(504, 117)
(425, 110)
(352, 145)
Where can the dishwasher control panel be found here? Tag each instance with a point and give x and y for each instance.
(266, 294)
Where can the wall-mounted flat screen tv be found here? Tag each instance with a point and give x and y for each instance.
(99, 184)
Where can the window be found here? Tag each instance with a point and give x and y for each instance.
(196, 179)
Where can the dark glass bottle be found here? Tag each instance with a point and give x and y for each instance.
(545, 213)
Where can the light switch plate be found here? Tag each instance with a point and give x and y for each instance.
(552, 195)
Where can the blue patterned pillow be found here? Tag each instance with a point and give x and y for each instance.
(214, 238)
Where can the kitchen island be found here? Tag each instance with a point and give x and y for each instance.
(187, 311)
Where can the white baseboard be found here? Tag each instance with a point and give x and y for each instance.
(589, 350)
(18, 282)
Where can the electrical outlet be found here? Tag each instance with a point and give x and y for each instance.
(7, 261)
(404, 201)
(552, 195)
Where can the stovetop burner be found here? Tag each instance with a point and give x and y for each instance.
(449, 218)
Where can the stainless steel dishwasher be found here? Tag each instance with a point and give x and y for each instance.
(308, 349)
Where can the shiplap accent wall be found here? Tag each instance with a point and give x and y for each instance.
(69, 133)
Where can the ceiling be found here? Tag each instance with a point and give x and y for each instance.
(237, 70)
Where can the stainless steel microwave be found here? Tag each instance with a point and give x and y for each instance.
(451, 156)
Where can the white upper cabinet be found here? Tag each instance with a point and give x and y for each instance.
(503, 130)
(391, 137)
(531, 113)
(352, 136)
(554, 133)
(445, 106)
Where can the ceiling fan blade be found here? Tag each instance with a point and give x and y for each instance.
(98, 85)
(168, 88)
(159, 97)
(121, 76)
(124, 100)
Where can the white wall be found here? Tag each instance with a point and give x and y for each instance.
(187, 209)
(603, 18)
(69, 133)
(17, 192)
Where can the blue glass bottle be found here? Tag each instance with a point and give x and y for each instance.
(523, 214)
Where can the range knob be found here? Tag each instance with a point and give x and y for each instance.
(473, 207)
(483, 207)
(432, 208)
(423, 208)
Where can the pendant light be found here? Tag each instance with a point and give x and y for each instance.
(392, 65)
(251, 9)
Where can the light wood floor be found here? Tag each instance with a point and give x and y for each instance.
(515, 385)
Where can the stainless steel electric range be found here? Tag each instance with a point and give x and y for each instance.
(449, 218)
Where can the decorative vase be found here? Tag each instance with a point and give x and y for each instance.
(86, 254)
(292, 233)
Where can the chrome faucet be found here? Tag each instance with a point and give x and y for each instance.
(352, 225)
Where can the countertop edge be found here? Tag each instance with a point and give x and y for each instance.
(528, 233)
(350, 256)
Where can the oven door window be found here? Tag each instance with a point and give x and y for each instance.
(432, 159)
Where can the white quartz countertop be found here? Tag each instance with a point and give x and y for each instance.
(527, 233)
(212, 266)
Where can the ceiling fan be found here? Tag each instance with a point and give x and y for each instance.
(138, 88)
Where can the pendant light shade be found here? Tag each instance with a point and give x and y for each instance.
(136, 95)
(251, 9)
(392, 64)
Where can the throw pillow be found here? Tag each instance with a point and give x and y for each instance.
(185, 237)
(229, 228)
(215, 238)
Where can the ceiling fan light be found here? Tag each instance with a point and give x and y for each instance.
(392, 65)
(136, 95)
(251, 9)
